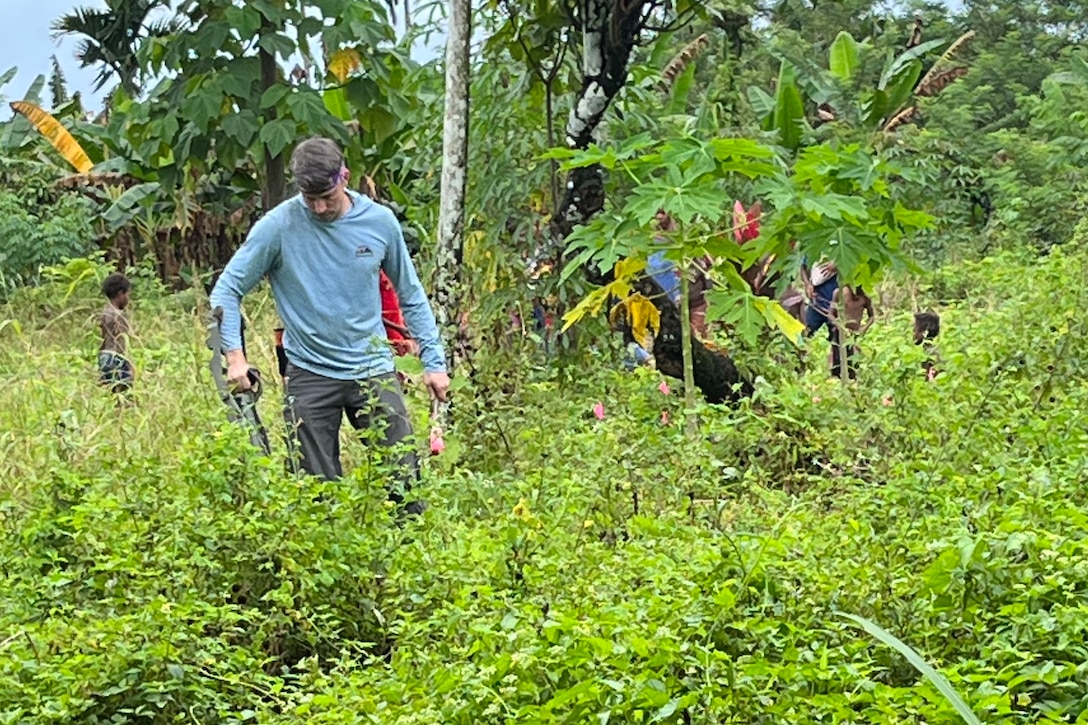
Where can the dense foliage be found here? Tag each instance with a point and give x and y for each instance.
(590, 555)
(570, 569)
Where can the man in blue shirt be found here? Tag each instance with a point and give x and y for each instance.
(322, 252)
(820, 284)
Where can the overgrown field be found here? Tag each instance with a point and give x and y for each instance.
(153, 568)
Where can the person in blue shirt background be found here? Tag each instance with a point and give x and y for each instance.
(322, 251)
(820, 284)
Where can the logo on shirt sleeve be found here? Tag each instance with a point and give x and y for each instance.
(363, 251)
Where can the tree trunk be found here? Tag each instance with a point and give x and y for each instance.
(451, 215)
(610, 31)
(274, 188)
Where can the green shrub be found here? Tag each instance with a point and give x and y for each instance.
(156, 569)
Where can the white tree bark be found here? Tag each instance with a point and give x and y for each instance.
(451, 214)
(586, 113)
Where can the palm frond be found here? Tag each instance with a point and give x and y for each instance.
(945, 58)
(937, 82)
(679, 64)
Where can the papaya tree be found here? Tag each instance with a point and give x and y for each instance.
(829, 201)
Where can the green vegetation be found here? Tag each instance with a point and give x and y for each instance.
(888, 550)
(157, 569)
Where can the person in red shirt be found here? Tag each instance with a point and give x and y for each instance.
(395, 328)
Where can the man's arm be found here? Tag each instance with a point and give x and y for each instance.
(806, 282)
(250, 263)
(871, 314)
(836, 296)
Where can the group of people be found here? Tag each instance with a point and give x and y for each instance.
(845, 310)
(321, 251)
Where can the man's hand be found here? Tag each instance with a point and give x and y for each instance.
(237, 370)
(438, 384)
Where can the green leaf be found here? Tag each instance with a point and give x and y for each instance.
(380, 123)
(408, 364)
(762, 103)
(242, 126)
(128, 204)
(239, 77)
(273, 96)
(277, 43)
(307, 106)
(201, 106)
(844, 56)
(1080, 68)
(936, 678)
(681, 90)
(896, 64)
(874, 108)
(789, 111)
(901, 87)
(277, 135)
(245, 19)
(336, 102)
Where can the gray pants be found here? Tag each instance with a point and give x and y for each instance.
(316, 405)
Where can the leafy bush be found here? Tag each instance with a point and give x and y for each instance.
(156, 569)
(38, 226)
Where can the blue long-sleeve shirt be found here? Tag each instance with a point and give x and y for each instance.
(324, 278)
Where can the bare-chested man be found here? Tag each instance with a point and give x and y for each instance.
(852, 305)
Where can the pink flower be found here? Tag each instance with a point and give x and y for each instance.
(598, 410)
(816, 398)
(664, 387)
(437, 444)
(664, 417)
(887, 400)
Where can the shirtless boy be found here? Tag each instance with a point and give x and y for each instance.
(853, 305)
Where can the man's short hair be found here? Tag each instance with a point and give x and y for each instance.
(317, 165)
(115, 284)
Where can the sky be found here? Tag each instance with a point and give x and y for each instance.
(26, 42)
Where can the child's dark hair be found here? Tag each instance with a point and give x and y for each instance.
(116, 284)
(927, 325)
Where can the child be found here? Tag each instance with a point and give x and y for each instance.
(853, 304)
(927, 325)
(115, 371)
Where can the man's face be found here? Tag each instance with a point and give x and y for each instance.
(121, 300)
(328, 206)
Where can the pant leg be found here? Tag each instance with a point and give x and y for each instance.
(814, 319)
(378, 404)
(315, 405)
